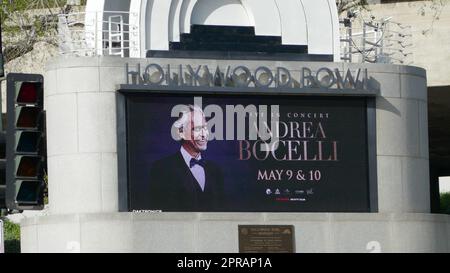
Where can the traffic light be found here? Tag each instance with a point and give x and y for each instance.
(2, 170)
(26, 144)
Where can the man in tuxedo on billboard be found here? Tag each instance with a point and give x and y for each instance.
(186, 181)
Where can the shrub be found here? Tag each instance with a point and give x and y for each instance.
(12, 236)
(445, 203)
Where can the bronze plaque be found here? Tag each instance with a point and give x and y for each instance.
(266, 239)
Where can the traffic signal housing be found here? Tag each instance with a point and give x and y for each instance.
(26, 142)
(2, 170)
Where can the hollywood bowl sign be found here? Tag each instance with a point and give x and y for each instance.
(241, 76)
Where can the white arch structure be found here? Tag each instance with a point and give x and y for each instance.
(313, 23)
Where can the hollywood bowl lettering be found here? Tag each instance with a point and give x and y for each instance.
(243, 77)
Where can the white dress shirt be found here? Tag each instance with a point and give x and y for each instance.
(197, 171)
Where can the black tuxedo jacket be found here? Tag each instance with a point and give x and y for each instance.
(174, 188)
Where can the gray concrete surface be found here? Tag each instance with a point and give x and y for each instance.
(201, 233)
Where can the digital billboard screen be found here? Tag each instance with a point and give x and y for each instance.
(246, 153)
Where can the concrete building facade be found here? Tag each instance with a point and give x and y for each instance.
(81, 102)
(82, 151)
(429, 23)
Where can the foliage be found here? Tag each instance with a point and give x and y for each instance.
(10, 7)
(27, 22)
(435, 8)
(12, 236)
(350, 5)
(445, 203)
(46, 188)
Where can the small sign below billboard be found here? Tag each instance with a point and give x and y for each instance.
(266, 239)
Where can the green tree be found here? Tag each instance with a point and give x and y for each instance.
(445, 203)
(27, 22)
(12, 236)
(349, 5)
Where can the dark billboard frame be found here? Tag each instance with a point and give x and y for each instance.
(130, 89)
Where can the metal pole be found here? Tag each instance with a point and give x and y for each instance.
(2, 238)
(96, 34)
(350, 46)
(364, 42)
(2, 76)
(1, 104)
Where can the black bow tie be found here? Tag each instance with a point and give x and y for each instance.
(200, 162)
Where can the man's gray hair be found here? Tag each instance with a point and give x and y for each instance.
(182, 122)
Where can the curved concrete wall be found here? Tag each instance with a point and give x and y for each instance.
(313, 23)
(216, 13)
(82, 138)
(81, 127)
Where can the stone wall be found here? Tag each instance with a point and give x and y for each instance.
(218, 233)
(431, 34)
